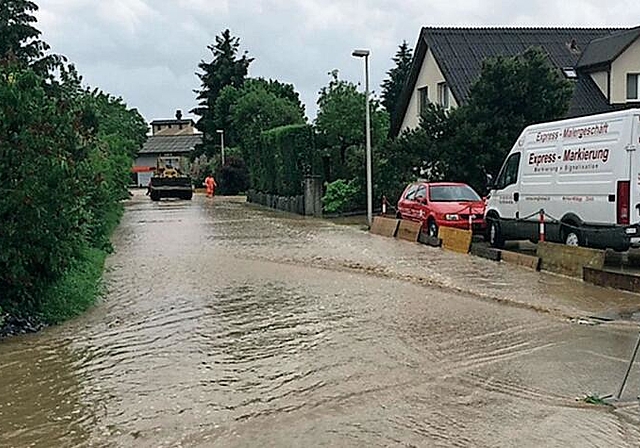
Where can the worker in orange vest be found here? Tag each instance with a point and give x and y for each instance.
(210, 184)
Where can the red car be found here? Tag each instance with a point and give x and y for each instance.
(437, 204)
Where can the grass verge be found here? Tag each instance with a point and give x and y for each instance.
(77, 290)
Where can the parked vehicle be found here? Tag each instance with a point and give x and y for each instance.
(583, 172)
(437, 204)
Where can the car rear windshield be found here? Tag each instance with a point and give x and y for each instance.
(453, 193)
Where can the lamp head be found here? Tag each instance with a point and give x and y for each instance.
(360, 53)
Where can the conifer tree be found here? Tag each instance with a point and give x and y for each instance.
(392, 86)
(225, 69)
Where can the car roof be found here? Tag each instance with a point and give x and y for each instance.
(439, 184)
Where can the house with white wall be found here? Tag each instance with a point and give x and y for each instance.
(604, 64)
(173, 138)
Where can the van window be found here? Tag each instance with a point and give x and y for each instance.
(509, 173)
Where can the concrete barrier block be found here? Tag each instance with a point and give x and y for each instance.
(568, 260)
(408, 230)
(484, 251)
(610, 279)
(384, 226)
(526, 261)
(456, 240)
(432, 241)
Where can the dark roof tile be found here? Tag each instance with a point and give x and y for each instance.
(587, 98)
(460, 52)
(605, 49)
(161, 144)
(172, 121)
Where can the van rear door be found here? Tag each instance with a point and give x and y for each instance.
(634, 212)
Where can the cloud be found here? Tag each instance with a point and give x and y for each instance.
(147, 51)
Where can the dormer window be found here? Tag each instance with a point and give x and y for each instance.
(632, 86)
(570, 72)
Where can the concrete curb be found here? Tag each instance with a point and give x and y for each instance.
(489, 253)
(610, 279)
(526, 261)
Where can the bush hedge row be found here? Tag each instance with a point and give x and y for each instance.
(286, 154)
(65, 157)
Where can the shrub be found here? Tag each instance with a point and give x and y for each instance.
(340, 196)
(233, 177)
(65, 155)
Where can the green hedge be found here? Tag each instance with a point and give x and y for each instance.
(65, 157)
(285, 155)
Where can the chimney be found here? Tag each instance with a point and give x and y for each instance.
(179, 115)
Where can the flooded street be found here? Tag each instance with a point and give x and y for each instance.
(225, 324)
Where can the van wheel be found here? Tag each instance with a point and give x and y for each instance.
(495, 234)
(571, 237)
(432, 228)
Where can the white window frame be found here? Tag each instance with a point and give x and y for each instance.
(631, 76)
(443, 95)
(423, 99)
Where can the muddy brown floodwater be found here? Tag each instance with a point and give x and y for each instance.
(228, 325)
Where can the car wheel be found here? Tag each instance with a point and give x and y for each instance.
(398, 215)
(571, 236)
(432, 228)
(495, 234)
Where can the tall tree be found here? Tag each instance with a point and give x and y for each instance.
(19, 38)
(392, 86)
(228, 97)
(511, 94)
(340, 122)
(225, 69)
(340, 127)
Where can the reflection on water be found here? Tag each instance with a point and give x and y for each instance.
(41, 394)
(228, 325)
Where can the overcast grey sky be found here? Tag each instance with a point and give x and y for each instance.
(147, 51)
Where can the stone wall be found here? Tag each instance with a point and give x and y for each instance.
(291, 204)
(309, 203)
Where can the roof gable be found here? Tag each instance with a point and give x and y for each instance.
(606, 49)
(460, 52)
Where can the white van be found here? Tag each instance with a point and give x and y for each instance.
(584, 173)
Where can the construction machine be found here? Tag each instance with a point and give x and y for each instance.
(169, 180)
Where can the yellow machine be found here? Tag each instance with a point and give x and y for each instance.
(169, 181)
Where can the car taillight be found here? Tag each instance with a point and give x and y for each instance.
(624, 199)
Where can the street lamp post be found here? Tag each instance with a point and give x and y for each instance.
(365, 54)
(221, 132)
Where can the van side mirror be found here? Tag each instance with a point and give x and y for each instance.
(489, 182)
